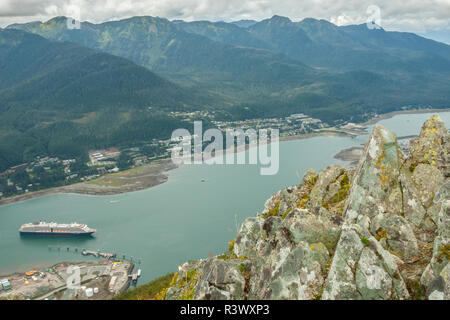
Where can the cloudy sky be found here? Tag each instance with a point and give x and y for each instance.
(429, 17)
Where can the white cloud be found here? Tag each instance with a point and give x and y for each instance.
(412, 15)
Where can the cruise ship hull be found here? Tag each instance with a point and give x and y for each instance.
(56, 234)
(53, 229)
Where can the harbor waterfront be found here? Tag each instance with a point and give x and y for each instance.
(97, 280)
(179, 220)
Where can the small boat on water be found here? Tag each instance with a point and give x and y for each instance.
(56, 229)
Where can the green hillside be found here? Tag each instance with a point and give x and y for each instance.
(266, 63)
(61, 99)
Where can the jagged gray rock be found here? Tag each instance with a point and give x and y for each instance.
(220, 280)
(432, 146)
(375, 195)
(250, 239)
(381, 231)
(326, 186)
(290, 272)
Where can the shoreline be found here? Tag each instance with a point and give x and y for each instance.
(350, 155)
(158, 176)
(136, 179)
(392, 114)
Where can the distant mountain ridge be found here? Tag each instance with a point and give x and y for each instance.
(310, 66)
(297, 40)
(320, 43)
(41, 69)
(65, 90)
(244, 23)
(159, 37)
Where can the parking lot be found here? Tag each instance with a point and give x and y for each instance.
(69, 281)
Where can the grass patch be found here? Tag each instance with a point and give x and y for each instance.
(231, 244)
(365, 241)
(272, 212)
(286, 213)
(147, 291)
(444, 252)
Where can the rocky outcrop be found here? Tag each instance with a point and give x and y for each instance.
(380, 231)
(362, 268)
(432, 146)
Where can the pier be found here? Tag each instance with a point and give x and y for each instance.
(135, 275)
(97, 254)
